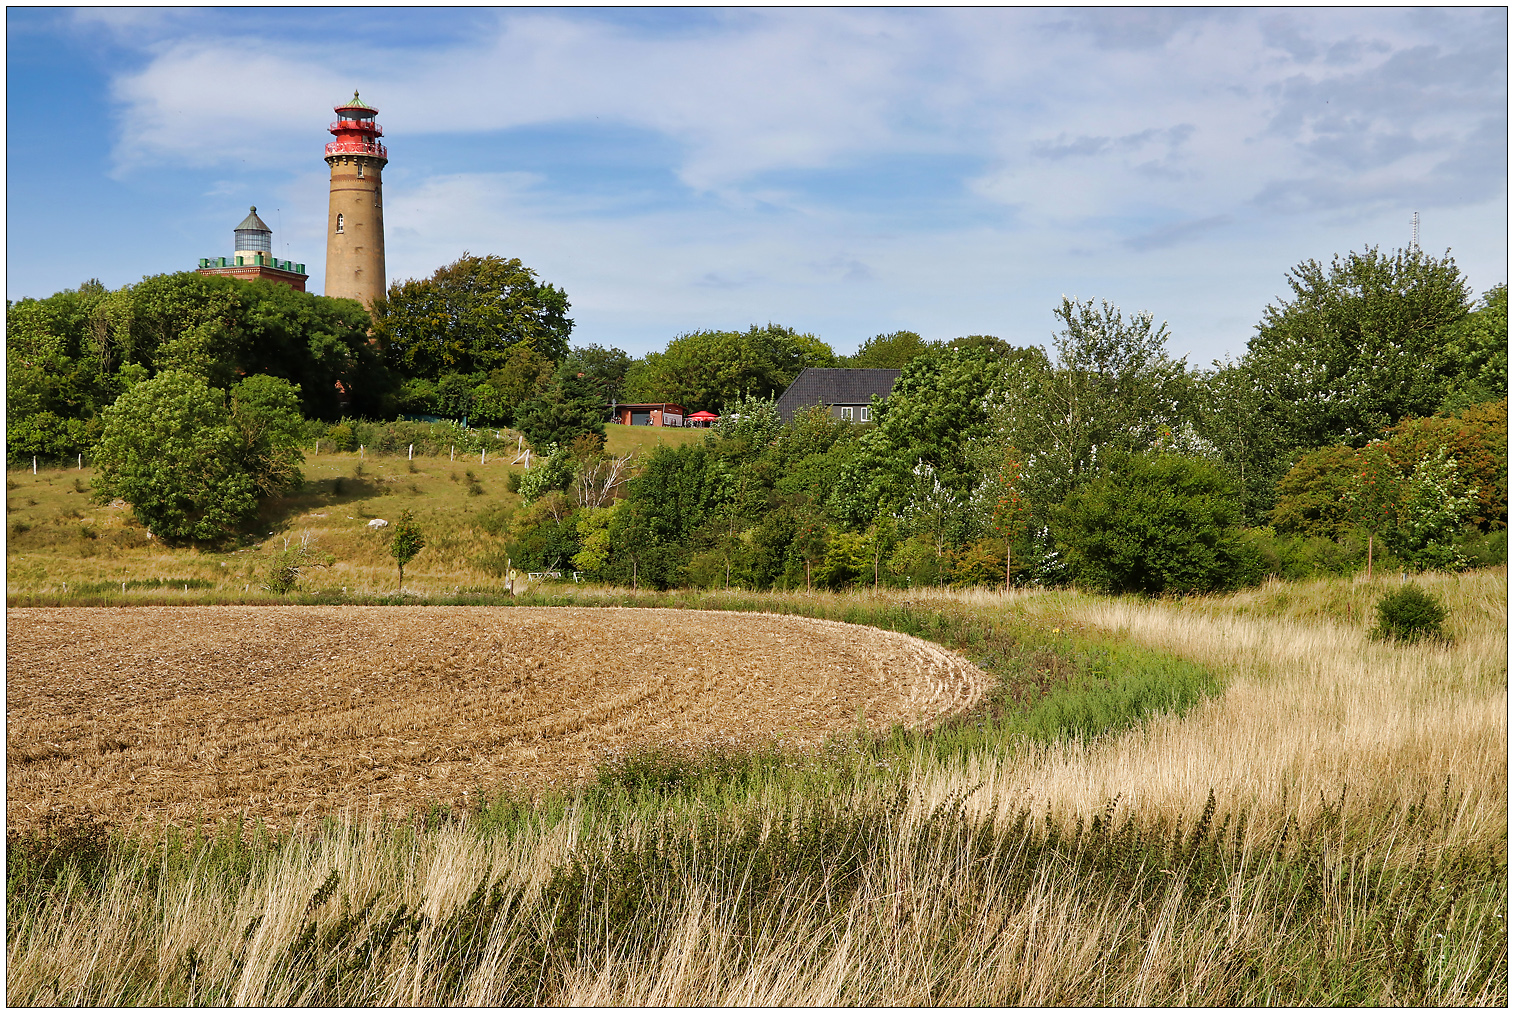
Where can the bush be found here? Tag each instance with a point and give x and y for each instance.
(1410, 614)
(170, 449)
(1156, 524)
(339, 438)
(290, 563)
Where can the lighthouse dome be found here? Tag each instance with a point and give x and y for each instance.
(356, 109)
(253, 234)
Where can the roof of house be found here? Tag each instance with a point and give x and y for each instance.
(621, 406)
(834, 387)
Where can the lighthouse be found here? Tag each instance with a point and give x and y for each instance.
(355, 219)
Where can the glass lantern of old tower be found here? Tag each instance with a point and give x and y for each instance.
(254, 240)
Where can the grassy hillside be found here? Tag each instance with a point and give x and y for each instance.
(58, 536)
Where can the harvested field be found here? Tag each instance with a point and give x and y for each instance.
(188, 714)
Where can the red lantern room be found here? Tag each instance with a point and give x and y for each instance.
(356, 132)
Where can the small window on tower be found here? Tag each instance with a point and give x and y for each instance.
(338, 223)
(360, 170)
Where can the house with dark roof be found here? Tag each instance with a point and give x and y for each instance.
(847, 394)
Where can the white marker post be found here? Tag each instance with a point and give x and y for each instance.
(453, 455)
(81, 462)
(34, 464)
(481, 452)
(412, 453)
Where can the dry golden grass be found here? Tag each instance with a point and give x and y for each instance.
(182, 714)
(1313, 706)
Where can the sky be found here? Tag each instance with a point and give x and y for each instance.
(846, 172)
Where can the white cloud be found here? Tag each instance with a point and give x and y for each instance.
(1164, 152)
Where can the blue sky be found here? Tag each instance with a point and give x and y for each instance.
(847, 171)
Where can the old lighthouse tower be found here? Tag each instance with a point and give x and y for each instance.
(355, 225)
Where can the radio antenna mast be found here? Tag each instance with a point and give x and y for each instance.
(1416, 231)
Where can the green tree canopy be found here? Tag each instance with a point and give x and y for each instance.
(890, 351)
(1111, 388)
(1478, 346)
(569, 408)
(602, 367)
(72, 354)
(706, 370)
(1313, 498)
(1478, 438)
(1154, 523)
(170, 449)
(1360, 344)
(467, 316)
(405, 543)
(664, 506)
(265, 411)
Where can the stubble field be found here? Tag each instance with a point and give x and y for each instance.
(189, 715)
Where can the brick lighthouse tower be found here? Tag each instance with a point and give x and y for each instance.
(355, 226)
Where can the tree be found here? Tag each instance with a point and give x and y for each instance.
(1155, 524)
(938, 415)
(1478, 438)
(75, 352)
(1314, 498)
(1110, 389)
(664, 507)
(406, 541)
(1478, 347)
(1433, 504)
(1374, 493)
(525, 374)
(266, 414)
(1227, 411)
(169, 448)
(708, 370)
(604, 368)
(751, 421)
(890, 351)
(1359, 346)
(565, 411)
(1009, 510)
(466, 317)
